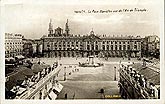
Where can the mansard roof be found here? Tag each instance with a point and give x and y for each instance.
(91, 37)
(120, 37)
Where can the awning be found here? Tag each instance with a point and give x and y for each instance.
(45, 66)
(58, 87)
(27, 72)
(36, 68)
(39, 67)
(20, 91)
(9, 85)
(47, 98)
(31, 83)
(10, 95)
(9, 59)
(51, 96)
(19, 57)
(13, 80)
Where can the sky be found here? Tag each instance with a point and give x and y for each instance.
(31, 19)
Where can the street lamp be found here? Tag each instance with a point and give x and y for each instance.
(76, 52)
(64, 73)
(114, 73)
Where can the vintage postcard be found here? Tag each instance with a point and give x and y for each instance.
(97, 51)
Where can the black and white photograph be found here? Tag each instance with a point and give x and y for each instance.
(82, 50)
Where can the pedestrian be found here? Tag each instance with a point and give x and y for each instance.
(74, 95)
(66, 96)
(102, 93)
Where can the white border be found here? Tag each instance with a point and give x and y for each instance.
(94, 2)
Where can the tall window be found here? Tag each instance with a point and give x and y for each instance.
(107, 47)
(115, 47)
(135, 47)
(119, 47)
(92, 47)
(88, 47)
(124, 47)
(96, 47)
(111, 47)
(128, 47)
(103, 47)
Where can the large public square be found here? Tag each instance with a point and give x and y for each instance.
(87, 82)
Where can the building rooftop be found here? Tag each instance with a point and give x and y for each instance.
(21, 72)
(149, 73)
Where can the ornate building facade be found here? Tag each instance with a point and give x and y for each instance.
(151, 46)
(64, 44)
(13, 45)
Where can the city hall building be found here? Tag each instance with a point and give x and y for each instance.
(61, 43)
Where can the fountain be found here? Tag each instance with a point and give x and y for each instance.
(90, 63)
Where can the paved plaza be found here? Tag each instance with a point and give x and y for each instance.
(86, 82)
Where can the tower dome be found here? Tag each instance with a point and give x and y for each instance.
(92, 32)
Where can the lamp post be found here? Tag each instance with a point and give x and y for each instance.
(76, 52)
(114, 73)
(64, 73)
